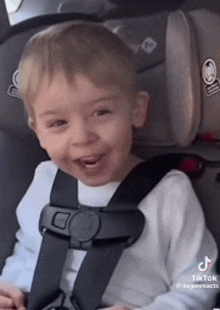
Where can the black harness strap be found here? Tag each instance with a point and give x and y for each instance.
(47, 276)
(94, 275)
(102, 255)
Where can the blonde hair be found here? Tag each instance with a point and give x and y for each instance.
(75, 47)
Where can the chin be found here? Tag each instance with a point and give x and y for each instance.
(96, 181)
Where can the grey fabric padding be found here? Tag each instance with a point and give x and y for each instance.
(183, 80)
(157, 129)
(207, 25)
(12, 114)
(4, 21)
(100, 7)
(145, 35)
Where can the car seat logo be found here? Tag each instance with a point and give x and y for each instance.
(209, 73)
(204, 266)
(13, 89)
(148, 45)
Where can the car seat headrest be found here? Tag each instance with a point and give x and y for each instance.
(192, 68)
(183, 78)
(184, 81)
(207, 26)
(12, 114)
(166, 49)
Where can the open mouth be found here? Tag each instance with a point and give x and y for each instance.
(91, 162)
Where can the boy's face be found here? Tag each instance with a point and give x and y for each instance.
(87, 130)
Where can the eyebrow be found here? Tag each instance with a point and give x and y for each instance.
(49, 112)
(55, 111)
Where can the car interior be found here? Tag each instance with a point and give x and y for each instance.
(177, 44)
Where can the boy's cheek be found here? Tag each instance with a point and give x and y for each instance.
(51, 147)
(48, 142)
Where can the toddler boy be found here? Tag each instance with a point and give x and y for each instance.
(78, 86)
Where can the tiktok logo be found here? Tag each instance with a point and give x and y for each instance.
(204, 266)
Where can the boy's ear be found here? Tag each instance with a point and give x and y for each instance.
(140, 108)
(31, 124)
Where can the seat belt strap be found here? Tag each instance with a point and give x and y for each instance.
(47, 276)
(96, 269)
(64, 191)
(94, 275)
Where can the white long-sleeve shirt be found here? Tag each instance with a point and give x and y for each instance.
(157, 272)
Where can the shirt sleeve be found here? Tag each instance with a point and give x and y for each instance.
(189, 244)
(19, 267)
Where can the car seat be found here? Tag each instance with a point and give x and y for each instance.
(176, 51)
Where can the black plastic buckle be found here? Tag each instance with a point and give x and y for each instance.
(84, 225)
(87, 225)
(81, 225)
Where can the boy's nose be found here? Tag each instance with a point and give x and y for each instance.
(82, 134)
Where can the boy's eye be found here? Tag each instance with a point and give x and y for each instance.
(58, 123)
(102, 112)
